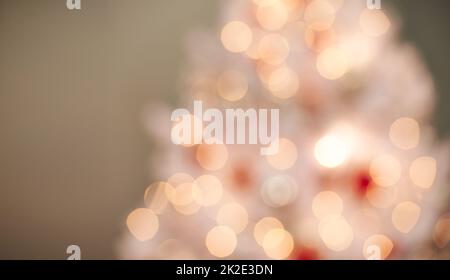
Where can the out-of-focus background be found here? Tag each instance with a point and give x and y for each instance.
(73, 84)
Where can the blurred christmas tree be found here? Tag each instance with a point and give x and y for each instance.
(358, 173)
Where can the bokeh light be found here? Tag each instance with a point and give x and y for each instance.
(278, 191)
(336, 233)
(381, 197)
(441, 233)
(382, 242)
(232, 85)
(385, 170)
(221, 241)
(423, 172)
(187, 209)
(330, 151)
(155, 197)
(183, 201)
(405, 133)
(286, 156)
(236, 36)
(319, 40)
(174, 181)
(263, 226)
(283, 82)
(278, 244)
(143, 224)
(374, 22)
(212, 156)
(327, 203)
(183, 194)
(332, 63)
(272, 16)
(405, 216)
(207, 190)
(273, 49)
(179, 178)
(319, 14)
(234, 216)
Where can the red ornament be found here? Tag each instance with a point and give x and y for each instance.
(305, 254)
(362, 182)
(241, 176)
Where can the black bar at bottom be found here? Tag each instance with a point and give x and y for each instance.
(229, 269)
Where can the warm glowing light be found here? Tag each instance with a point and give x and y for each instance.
(252, 51)
(381, 197)
(382, 244)
(278, 191)
(374, 22)
(236, 36)
(273, 16)
(221, 241)
(336, 233)
(327, 203)
(182, 194)
(405, 216)
(263, 226)
(207, 190)
(174, 181)
(273, 49)
(330, 151)
(155, 196)
(265, 71)
(212, 156)
(319, 14)
(423, 172)
(350, 137)
(286, 156)
(359, 49)
(234, 216)
(405, 133)
(319, 40)
(441, 233)
(232, 85)
(278, 244)
(385, 170)
(143, 224)
(283, 82)
(332, 64)
(180, 178)
(187, 209)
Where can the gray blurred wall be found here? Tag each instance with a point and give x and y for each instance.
(73, 151)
